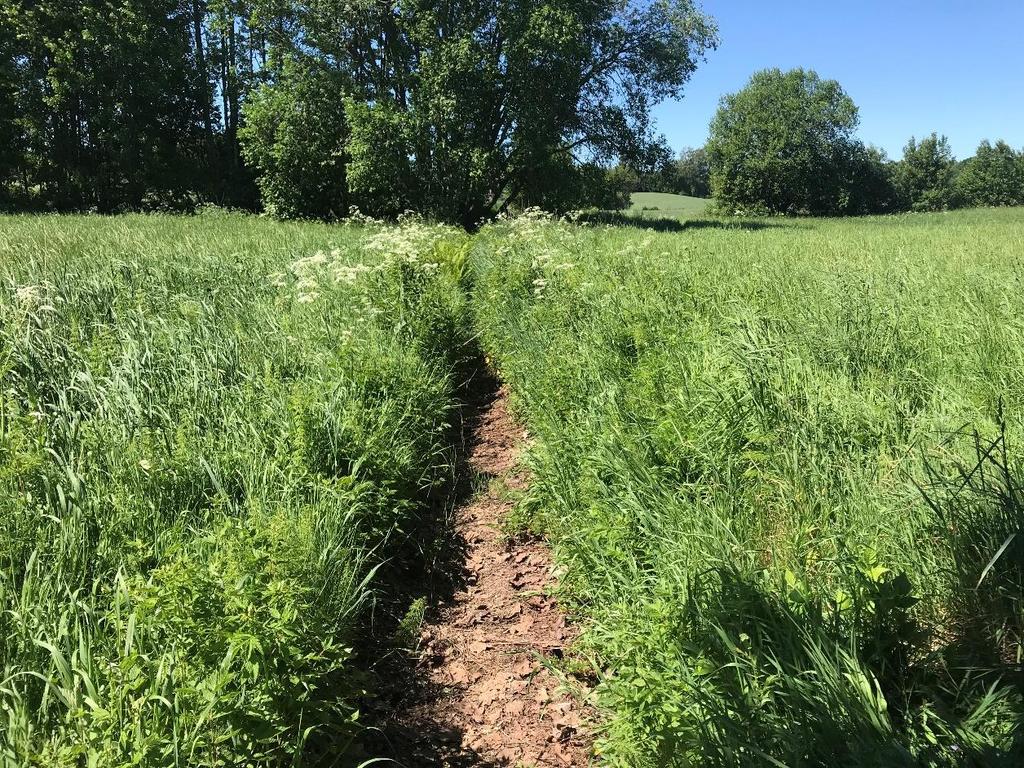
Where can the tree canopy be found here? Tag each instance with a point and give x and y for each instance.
(925, 178)
(111, 104)
(457, 109)
(784, 144)
(454, 108)
(693, 173)
(994, 176)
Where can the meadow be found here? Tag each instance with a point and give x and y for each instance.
(780, 465)
(662, 205)
(221, 437)
(778, 462)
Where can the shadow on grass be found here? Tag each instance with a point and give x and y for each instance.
(664, 224)
(979, 512)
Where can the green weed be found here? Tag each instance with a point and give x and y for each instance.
(750, 456)
(220, 438)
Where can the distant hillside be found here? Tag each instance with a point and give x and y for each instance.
(663, 205)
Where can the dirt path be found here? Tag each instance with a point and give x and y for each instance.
(487, 698)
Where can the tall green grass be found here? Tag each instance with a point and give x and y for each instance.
(780, 465)
(782, 470)
(220, 442)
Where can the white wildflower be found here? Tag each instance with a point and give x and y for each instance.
(29, 295)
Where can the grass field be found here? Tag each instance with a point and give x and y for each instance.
(220, 440)
(781, 468)
(663, 205)
(779, 463)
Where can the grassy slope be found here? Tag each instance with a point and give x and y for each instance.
(736, 432)
(668, 206)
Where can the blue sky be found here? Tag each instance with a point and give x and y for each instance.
(912, 67)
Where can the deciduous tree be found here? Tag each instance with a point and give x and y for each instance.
(925, 177)
(784, 144)
(994, 176)
(294, 139)
(693, 173)
(455, 108)
(109, 100)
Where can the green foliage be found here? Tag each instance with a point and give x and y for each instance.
(925, 177)
(380, 173)
(994, 176)
(749, 453)
(562, 185)
(130, 104)
(461, 111)
(10, 144)
(108, 100)
(687, 175)
(221, 442)
(294, 138)
(784, 144)
(693, 173)
(871, 182)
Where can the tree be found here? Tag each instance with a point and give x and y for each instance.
(693, 173)
(453, 108)
(9, 130)
(658, 173)
(109, 99)
(925, 177)
(869, 182)
(294, 137)
(783, 144)
(994, 176)
(115, 103)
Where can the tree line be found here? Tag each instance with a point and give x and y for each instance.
(457, 109)
(786, 144)
(454, 108)
(108, 104)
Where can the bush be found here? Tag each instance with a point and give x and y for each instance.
(994, 176)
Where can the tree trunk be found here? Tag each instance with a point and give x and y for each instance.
(232, 124)
(198, 17)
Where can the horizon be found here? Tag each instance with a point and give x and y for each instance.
(904, 85)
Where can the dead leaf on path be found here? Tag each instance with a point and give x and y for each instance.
(523, 667)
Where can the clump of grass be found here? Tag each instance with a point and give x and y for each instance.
(746, 457)
(221, 439)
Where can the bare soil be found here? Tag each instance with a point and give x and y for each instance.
(485, 695)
